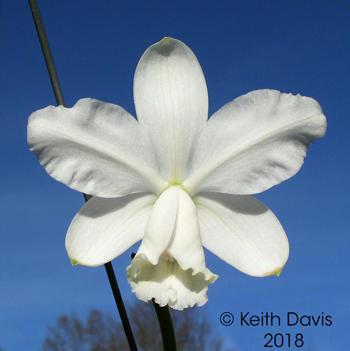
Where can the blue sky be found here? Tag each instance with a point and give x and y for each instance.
(292, 46)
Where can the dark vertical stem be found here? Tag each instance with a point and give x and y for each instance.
(39, 25)
(166, 327)
(120, 305)
(60, 101)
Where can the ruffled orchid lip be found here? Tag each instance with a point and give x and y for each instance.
(168, 283)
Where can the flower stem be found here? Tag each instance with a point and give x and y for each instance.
(121, 308)
(60, 101)
(39, 25)
(166, 327)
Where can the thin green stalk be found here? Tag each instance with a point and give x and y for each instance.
(60, 101)
(166, 327)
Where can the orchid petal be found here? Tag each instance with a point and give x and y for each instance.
(171, 101)
(104, 228)
(254, 143)
(96, 148)
(243, 232)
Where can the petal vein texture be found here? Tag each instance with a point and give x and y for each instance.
(104, 228)
(96, 148)
(243, 232)
(255, 142)
(171, 101)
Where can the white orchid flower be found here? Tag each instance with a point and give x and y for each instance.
(175, 179)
